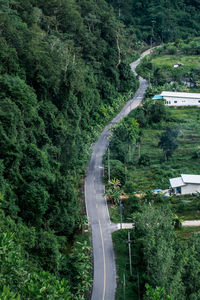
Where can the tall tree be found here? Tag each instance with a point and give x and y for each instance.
(168, 141)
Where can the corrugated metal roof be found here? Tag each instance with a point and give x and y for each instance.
(176, 182)
(187, 178)
(181, 95)
(184, 179)
(157, 97)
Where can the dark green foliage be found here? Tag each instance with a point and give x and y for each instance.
(159, 67)
(140, 115)
(63, 74)
(151, 113)
(144, 160)
(192, 272)
(15, 260)
(129, 187)
(58, 65)
(164, 266)
(168, 141)
(196, 153)
(59, 84)
(155, 249)
(158, 21)
(124, 139)
(117, 170)
(157, 112)
(156, 294)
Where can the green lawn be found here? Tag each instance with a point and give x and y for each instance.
(169, 60)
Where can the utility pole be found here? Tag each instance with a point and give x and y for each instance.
(138, 281)
(119, 8)
(139, 150)
(121, 208)
(124, 287)
(129, 251)
(108, 163)
(149, 79)
(125, 172)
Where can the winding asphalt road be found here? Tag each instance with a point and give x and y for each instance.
(104, 278)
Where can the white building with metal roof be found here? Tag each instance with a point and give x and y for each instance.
(181, 99)
(186, 184)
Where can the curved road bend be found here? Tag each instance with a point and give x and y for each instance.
(104, 280)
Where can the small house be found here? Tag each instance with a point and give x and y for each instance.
(186, 184)
(178, 65)
(179, 98)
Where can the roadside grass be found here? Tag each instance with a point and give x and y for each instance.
(185, 232)
(186, 207)
(114, 213)
(170, 60)
(188, 216)
(195, 90)
(122, 264)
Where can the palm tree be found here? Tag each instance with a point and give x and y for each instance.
(113, 192)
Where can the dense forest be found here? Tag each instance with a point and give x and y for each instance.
(60, 81)
(64, 72)
(157, 21)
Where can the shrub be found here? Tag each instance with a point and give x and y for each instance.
(172, 50)
(129, 187)
(144, 160)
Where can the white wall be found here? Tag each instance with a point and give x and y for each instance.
(190, 188)
(174, 101)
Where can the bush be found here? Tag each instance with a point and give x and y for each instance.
(144, 160)
(117, 170)
(172, 50)
(129, 187)
(196, 154)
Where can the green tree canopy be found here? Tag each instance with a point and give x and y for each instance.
(168, 141)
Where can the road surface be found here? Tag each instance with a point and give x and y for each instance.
(104, 277)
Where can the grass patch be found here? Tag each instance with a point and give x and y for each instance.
(114, 213)
(189, 61)
(188, 216)
(186, 232)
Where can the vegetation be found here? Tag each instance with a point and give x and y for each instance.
(147, 169)
(159, 21)
(177, 62)
(64, 72)
(168, 141)
(161, 262)
(60, 82)
(162, 250)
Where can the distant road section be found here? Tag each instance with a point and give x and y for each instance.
(104, 279)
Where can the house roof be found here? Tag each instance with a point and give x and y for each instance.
(157, 97)
(187, 178)
(181, 95)
(176, 182)
(184, 179)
